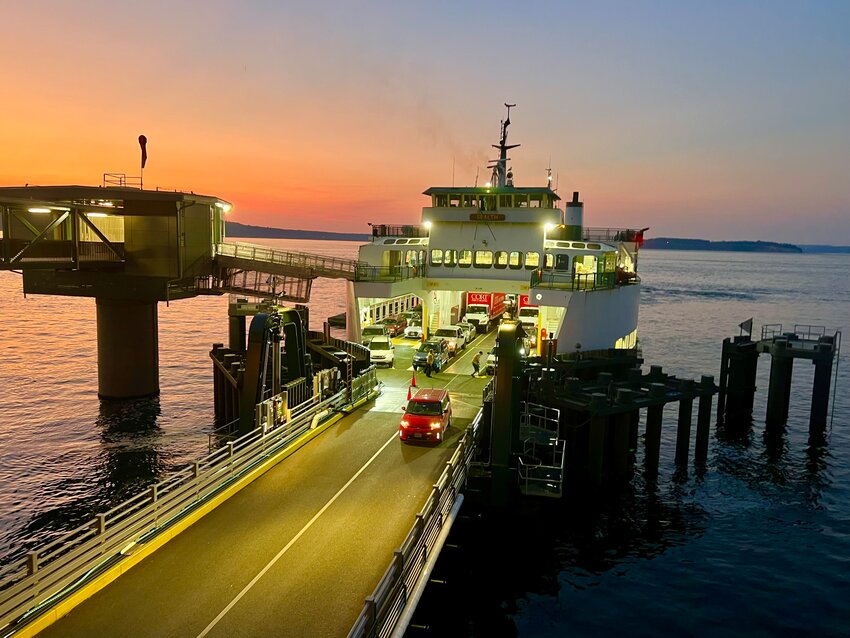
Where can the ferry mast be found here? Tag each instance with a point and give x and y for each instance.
(500, 166)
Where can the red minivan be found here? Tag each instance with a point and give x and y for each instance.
(427, 416)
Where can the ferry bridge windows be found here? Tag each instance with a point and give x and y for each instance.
(488, 202)
(468, 201)
(483, 258)
(450, 258)
(504, 201)
(515, 260)
(501, 259)
(549, 261)
(532, 260)
(464, 258)
(436, 257)
(521, 201)
(441, 201)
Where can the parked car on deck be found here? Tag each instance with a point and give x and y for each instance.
(427, 416)
(469, 330)
(381, 351)
(454, 336)
(490, 363)
(441, 354)
(413, 329)
(395, 325)
(370, 332)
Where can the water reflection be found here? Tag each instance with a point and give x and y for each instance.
(500, 558)
(128, 460)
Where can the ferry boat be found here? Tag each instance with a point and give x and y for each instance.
(506, 240)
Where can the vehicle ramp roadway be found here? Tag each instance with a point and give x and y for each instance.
(297, 551)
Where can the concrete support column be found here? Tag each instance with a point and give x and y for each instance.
(127, 349)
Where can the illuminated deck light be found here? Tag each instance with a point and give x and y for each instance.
(38, 210)
(224, 206)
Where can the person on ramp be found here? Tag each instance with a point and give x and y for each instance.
(429, 363)
(476, 363)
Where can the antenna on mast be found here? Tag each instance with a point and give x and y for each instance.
(477, 169)
(500, 165)
(549, 173)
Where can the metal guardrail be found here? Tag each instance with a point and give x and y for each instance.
(385, 606)
(612, 234)
(800, 331)
(573, 281)
(31, 584)
(388, 230)
(388, 273)
(320, 265)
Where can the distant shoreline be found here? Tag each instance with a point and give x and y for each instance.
(247, 231)
(235, 229)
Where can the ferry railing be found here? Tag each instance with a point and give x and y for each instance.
(555, 280)
(321, 266)
(385, 607)
(612, 234)
(386, 230)
(30, 585)
(388, 273)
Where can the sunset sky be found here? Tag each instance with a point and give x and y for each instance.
(720, 120)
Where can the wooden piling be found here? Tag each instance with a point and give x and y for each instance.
(652, 440)
(683, 428)
(741, 355)
(779, 390)
(820, 386)
(703, 422)
(596, 440)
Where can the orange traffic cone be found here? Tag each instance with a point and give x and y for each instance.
(413, 381)
(408, 394)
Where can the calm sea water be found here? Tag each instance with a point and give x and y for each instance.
(759, 545)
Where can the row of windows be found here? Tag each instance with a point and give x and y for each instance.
(514, 260)
(490, 202)
(489, 259)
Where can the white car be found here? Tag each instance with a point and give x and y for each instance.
(454, 337)
(469, 330)
(382, 351)
(414, 329)
(490, 364)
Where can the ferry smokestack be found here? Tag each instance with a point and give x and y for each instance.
(574, 218)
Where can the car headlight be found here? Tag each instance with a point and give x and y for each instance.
(436, 425)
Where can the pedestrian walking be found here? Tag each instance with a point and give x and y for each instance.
(429, 363)
(476, 363)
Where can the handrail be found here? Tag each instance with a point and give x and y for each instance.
(32, 584)
(556, 280)
(388, 273)
(321, 265)
(384, 607)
